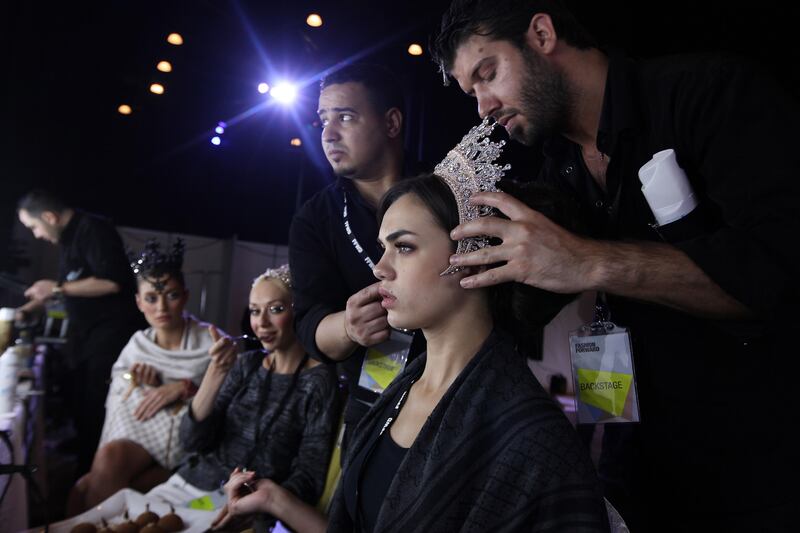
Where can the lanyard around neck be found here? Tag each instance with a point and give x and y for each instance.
(353, 240)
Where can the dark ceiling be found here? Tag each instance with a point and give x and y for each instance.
(68, 66)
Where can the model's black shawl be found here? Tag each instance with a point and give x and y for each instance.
(496, 454)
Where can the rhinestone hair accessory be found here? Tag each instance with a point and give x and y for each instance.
(281, 273)
(469, 168)
(152, 263)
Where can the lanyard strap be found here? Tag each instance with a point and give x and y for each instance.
(353, 239)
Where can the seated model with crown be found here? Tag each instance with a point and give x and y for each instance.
(157, 372)
(466, 438)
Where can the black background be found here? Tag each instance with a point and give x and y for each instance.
(68, 66)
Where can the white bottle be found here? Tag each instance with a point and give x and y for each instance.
(11, 362)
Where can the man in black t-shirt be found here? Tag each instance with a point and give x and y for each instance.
(97, 285)
(709, 299)
(337, 306)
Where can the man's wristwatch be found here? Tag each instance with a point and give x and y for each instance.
(58, 290)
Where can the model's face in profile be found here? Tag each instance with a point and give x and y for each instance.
(353, 133)
(162, 302)
(271, 315)
(416, 250)
(518, 87)
(43, 227)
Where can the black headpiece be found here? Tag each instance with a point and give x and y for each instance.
(153, 263)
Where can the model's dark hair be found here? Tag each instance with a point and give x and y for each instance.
(501, 20)
(38, 201)
(383, 87)
(159, 272)
(515, 307)
(153, 263)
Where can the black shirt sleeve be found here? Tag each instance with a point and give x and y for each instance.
(316, 281)
(105, 254)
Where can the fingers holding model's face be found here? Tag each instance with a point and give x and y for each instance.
(416, 251)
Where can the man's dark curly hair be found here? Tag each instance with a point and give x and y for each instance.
(501, 20)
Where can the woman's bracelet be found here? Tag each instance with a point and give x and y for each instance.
(189, 389)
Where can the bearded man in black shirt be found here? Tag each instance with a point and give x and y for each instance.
(98, 287)
(709, 299)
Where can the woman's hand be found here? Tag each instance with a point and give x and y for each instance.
(223, 352)
(156, 399)
(143, 374)
(246, 496)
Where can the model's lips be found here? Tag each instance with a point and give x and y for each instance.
(163, 318)
(335, 153)
(267, 337)
(387, 298)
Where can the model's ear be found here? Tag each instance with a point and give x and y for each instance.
(394, 122)
(541, 35)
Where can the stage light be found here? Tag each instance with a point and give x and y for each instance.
(285, 93)
(219, 129)
(175, 38)
(215, 140)
(296, 142)
(263, 88)
(314, 20)
(156, 88)
(164, 66)
(415, 49)
(125, 109)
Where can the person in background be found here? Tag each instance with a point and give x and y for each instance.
(97, 287)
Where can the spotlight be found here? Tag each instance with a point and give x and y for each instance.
(296, 142)
(125, 109)
(415, 49)
(263, 88)
(175, 38)
(215, 140)
(164, 66)
(219, 129)
(285, 93)
(314, 20)
(156, 88)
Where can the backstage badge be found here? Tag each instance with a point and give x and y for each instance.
(602, 369)
(383, 362)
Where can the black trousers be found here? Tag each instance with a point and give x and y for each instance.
(88, 381)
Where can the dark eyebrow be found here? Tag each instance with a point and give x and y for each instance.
(337, 110)
(397, 234)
